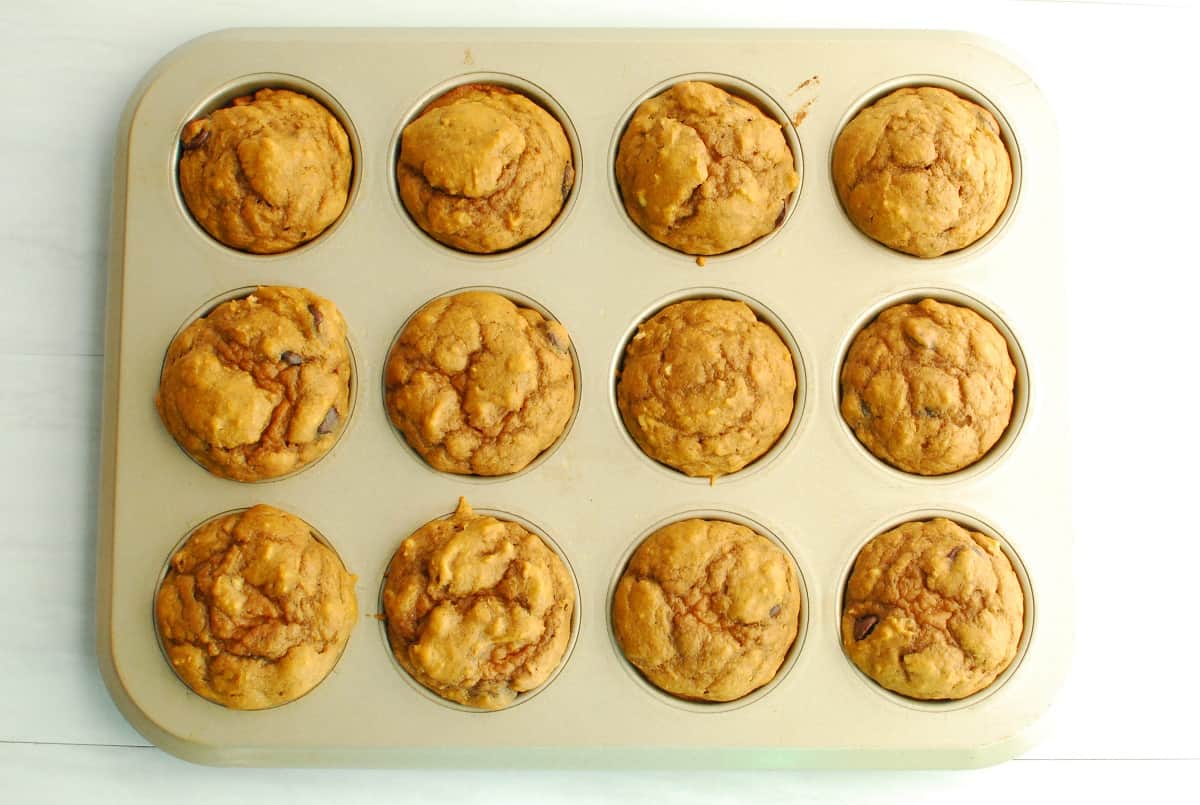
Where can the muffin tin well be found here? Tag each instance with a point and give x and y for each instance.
(816, 280)
(223, 96)
(739, 88)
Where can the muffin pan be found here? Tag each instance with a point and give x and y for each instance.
(818, 492)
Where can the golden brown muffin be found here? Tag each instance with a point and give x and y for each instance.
(479, 386)
(254, 611)
(923, 171)
(484, 169)
(932, 611)
(706, 387)
(703, 171)
(267, 173)
(260, 386)
(478, 609)
(928, 388)
(707, 609)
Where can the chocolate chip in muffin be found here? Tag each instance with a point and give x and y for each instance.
(928, 387)
(224, 398)
(951, 627)
(266, 173)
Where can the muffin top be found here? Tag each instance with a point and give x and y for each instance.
(932, 611)
(260, 386)
(479, 386)
(923, 171)
(703, 171)
(484, 169)
(705, 387)
(267, 173)
(254, 611)
(928, 388)
(707, 609)
(478, 609)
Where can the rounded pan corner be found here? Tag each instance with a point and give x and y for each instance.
(142, 88)
(139, 719)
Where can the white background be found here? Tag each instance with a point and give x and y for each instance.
(1121, 78)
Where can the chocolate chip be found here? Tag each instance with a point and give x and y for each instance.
(775, 610)
(568, 181)
(316, 316)
(195, 134)
(864, 408)
(930, 412)
(556, 334)
(864, 625)
(955, 551)
(291, 358)
(329, 422)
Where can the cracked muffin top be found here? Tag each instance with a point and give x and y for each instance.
(267, 173)
(923, 171)
(484, 169)
(254, 611)
(933, 611)
(928, 388)
(479, 386)
(707, 609)
(260, 386)
(478, 609)
(703, 171)
(705, 387)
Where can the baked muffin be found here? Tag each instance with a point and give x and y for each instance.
(923, 171)
(703, 171)
(479, 386)
(928, 388)
(267, 173)
(932, 611)
(707, 609)
(706, 387)
(478, 609)
(260, 386)
(484, 169)
(254, 611)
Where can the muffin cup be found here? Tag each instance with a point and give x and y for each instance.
(534, 93)
(789, 660)
(1007, 135)
(740, 88)
(970, 522)
(222, 97)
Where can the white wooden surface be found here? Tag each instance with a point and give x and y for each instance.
(1121, 78)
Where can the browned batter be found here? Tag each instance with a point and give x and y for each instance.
(928, 387)
(478, 609)
(706, 387)
(707, 609)
(933, 611)
(479, 386)
(484, 168)
(923, 171)
(703, 171)
(260, 386)
(254, 611)
(267, 173)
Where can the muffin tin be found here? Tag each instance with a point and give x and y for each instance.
(816, 279)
